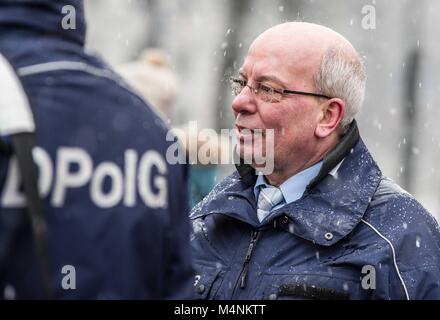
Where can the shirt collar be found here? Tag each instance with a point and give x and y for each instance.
(294, 187)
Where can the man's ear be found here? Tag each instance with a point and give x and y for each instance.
(331, 115)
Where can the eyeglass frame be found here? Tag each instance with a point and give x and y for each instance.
(283, 92)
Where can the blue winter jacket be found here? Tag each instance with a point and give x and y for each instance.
(353, 235)
(116, 210)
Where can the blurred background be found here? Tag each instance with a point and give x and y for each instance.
(205, 41)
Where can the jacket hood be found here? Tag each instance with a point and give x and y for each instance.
(45, 17)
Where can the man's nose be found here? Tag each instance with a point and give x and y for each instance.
(245, 102)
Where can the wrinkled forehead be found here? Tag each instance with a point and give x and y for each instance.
(288, 62)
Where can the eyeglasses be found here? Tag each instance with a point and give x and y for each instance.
(267, 93)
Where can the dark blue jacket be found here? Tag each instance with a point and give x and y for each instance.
(116, 210)
(354, 236)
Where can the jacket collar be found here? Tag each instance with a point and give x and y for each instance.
(331, 207)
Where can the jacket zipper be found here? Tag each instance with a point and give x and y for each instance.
(244, 270)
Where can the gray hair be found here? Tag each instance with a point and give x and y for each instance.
(343, 76)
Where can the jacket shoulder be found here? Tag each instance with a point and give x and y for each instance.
(393, 207)
(412, 235)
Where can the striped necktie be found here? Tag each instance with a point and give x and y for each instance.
(268, 198)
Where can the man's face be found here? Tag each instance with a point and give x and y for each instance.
(294, 118)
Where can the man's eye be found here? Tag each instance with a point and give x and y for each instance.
(265, 88)
(241, 82)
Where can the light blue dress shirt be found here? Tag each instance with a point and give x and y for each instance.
(294, 187)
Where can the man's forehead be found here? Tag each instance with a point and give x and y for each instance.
(278, 64)
(268, 67)
(299, 43)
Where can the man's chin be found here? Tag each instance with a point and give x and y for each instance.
(257, 161)
(246, 154)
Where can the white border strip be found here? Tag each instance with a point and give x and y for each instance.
(394, 256)
(78, 66)
(74, 66)
(63, 65)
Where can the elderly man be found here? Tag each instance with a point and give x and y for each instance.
(326, 223)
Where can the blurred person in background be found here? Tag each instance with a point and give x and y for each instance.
(152, 76)
(116, 211)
